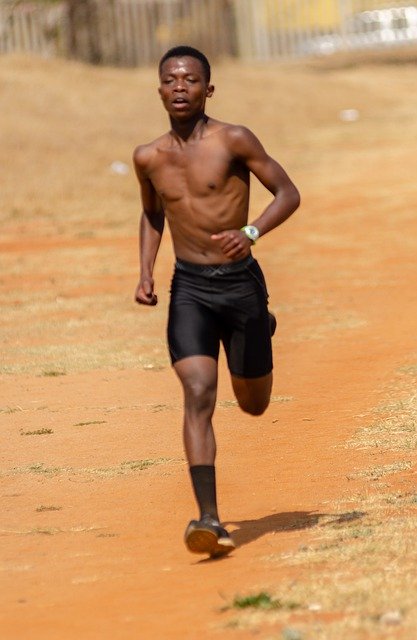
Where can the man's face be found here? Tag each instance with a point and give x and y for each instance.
(183, 87)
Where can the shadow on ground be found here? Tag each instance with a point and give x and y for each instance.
(250, 530)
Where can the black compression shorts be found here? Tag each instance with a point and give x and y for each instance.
(221, 303)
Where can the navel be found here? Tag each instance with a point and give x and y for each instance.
(211, 185)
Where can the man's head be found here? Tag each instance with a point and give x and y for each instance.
(182, 51)
(184, 74)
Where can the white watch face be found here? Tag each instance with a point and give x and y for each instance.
(251, 232)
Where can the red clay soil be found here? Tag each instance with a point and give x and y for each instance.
(91, 544)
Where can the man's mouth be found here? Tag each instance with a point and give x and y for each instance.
(180, 101)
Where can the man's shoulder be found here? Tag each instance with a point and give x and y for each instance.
(239, 140)
(143, 153)
(229, 130)
(234, 135)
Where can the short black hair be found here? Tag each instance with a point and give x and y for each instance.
(185, 50)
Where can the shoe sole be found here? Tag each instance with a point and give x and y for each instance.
(206, 541)
(223, 547)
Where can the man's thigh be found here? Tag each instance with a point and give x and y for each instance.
(192, 326)
(247, 332)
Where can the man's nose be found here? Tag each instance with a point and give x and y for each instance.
(179, 86)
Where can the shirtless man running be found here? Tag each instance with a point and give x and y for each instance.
(197, 177)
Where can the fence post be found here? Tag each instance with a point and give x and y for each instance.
(83, 33)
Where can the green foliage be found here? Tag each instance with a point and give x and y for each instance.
(262, 600)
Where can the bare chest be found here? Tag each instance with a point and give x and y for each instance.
(195, 171)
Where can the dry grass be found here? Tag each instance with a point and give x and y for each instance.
(396, 431)
(123, 468)
(355, 576)
(355, 579)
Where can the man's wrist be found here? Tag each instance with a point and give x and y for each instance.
(251, 232)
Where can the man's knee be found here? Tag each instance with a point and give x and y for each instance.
(198, 377)
(255, 407)
(253, 395)
(198, 389)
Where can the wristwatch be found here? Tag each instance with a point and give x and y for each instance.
(251, 232)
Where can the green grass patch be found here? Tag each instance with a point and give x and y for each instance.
(260, 600)
(264, 601)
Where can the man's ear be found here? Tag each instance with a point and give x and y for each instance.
(210, 90)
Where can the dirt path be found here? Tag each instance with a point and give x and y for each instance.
(95, 489)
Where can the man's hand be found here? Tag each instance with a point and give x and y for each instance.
(234, 244)
(144, 293)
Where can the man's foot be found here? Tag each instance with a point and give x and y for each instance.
(207, 536)
(272, 323)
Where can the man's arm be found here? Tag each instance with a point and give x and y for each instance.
(247, 149)
(270, 173)
(150, 231)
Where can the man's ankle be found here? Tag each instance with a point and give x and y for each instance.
(210, 518)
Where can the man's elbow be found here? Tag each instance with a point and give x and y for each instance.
(294, 198)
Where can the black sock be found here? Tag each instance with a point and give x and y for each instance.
(203, 477)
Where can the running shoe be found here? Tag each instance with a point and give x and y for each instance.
(207, 536)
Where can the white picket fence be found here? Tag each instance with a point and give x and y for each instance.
(137, 32)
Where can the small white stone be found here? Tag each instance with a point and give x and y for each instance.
(315, 606)
(349, 115)
(120, 168)
(391, 617)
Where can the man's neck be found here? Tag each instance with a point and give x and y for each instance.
(190, 130)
